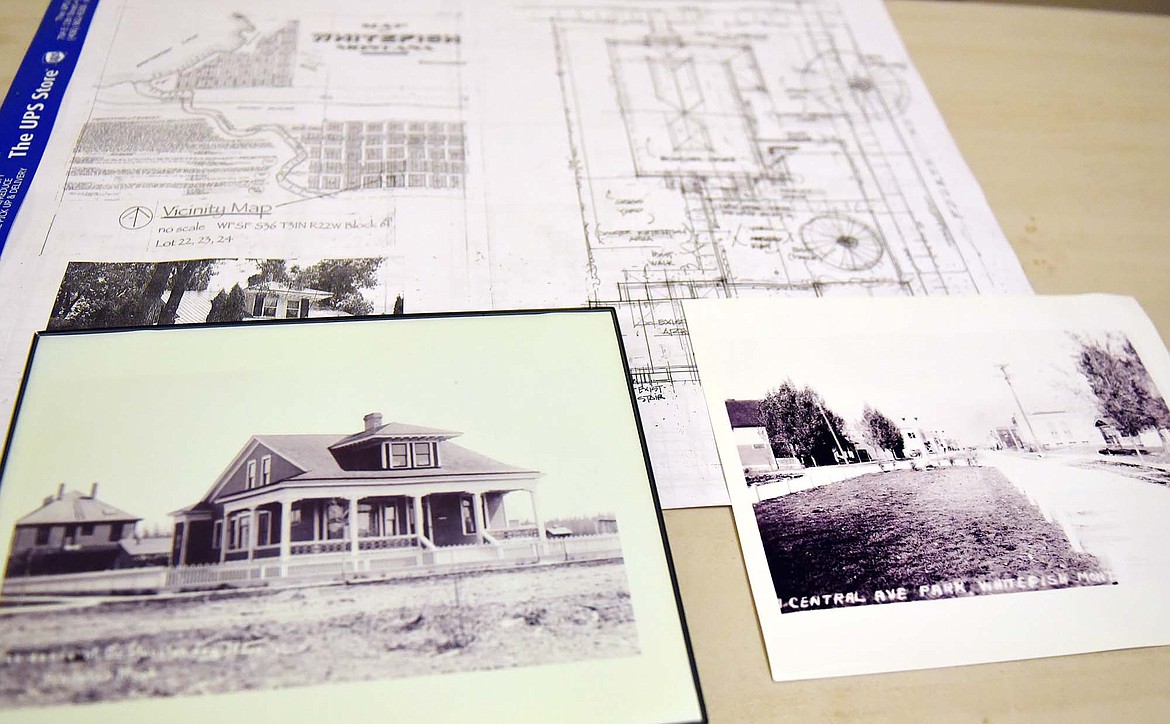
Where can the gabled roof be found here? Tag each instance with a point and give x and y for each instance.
(397, 430)
(73, 507)
(744, 413)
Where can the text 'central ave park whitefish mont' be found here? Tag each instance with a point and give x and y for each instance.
(955, 588)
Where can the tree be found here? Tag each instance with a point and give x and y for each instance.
(98, 294)
(800, 425)
(1123, 388)
(880, 431)
(269, 271)
(227, 306)
(344, 279)
(186, 276)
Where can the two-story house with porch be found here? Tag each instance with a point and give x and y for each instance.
(71, 532)
(389, 486)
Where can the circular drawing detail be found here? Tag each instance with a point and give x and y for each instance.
(844, 81)
(842, 242)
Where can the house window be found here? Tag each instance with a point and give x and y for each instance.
(336, 519)
(422, 455)
(116, 531)
(238, 530)
(217, 534)
(467, 506)
(367, 521)
(391, 520)
(399, 454)
(87, 529)
(292, 308)
(270, 303)
(409, 455)
(264, 536)
(43, 534)
(250, 475)
(70, 534)
(266, 470)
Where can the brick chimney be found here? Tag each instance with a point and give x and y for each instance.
(60, 491)
(373, 421)
(93, 492)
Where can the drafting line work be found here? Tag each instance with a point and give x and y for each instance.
(257, 99)
(763, 153)
(525, 153)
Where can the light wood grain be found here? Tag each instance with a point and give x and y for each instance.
(1064, 116)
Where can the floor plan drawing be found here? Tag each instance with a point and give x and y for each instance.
(738, 150)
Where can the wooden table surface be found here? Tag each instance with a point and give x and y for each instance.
(1064, 117)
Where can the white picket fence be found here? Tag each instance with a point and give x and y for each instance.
(381, 563)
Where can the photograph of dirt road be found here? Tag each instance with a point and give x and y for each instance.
(925, 492)
(109, 649)
(962, 461)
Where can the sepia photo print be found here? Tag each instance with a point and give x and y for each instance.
(271, 506)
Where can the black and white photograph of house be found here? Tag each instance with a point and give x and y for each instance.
(949, 459)
(356, 501)
(99, 295)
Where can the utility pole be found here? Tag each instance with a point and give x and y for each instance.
(832, 432)
(1007, 378)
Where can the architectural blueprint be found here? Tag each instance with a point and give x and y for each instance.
(518, 154)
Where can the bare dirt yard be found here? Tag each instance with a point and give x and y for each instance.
(914, 535)
(259, 639)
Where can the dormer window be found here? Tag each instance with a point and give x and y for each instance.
(399, 455)
(422, 455)
(403, 455)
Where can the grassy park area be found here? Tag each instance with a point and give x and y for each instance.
(914, 528)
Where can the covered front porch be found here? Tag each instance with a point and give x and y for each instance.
(284, 524)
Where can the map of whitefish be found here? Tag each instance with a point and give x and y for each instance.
(521, 155)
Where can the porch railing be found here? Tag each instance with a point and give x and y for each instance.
(388, 541)
(524, 531)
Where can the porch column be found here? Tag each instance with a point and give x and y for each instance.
(353, 525)
(537, 515)
(416, 503)
(285, 529)
(183, 542)
(252, 532)
(223, 535)
(477, 509)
